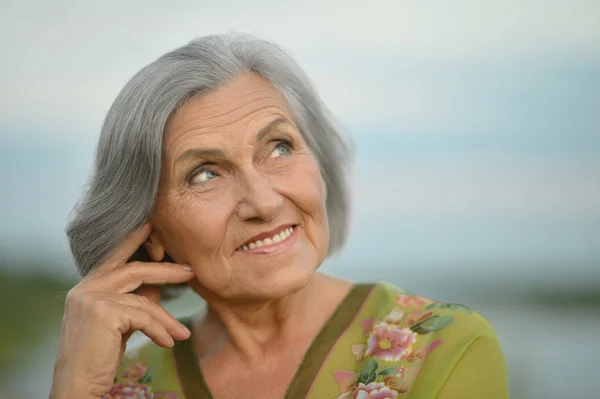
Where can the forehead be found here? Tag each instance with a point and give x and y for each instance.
(236, 110)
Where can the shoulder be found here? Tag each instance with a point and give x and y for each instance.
(427, 315)
(456, 352)
(452, 327)
(403, 343)
(148, 371)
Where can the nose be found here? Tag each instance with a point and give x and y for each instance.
(258, 199)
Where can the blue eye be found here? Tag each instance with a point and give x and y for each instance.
(203, 176)
(281, 149)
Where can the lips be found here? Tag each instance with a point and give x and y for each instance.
(268, 238)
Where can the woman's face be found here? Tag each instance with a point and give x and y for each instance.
(241, 198)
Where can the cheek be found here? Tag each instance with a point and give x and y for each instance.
(304, 185)
(305, 188)
(191, 226)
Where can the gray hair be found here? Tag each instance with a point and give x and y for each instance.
(123, 188)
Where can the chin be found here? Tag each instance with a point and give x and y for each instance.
(282, 282)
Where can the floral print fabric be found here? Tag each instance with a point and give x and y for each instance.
(389, 356)
(376, 347)
(133, 382)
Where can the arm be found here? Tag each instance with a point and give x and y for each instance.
(480, 373)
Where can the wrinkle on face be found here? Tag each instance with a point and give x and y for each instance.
(200, 222)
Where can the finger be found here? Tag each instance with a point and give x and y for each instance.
(131, 276)
(152, 292)
(175, 328)
(132, 318)
(126, 337)
(127, 248)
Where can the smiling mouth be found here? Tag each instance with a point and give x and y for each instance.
(282, 235)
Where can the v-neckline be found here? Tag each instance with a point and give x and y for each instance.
(195, 387)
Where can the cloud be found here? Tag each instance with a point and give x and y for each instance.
(64, 62)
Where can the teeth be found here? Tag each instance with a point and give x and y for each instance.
(269, 241)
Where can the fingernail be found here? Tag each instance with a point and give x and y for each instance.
(188, 268)
(186, 330)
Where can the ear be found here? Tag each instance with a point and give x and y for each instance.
(154, 248)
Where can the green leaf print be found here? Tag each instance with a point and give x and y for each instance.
(455, 306)
(389, 371)
(368, 373)
(434, 323)
(147, 377)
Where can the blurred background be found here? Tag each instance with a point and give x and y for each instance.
(477, 174)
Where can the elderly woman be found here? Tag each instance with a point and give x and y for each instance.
(218, 167)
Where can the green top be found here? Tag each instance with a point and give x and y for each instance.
(380, 343)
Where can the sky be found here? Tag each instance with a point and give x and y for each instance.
(476, 124)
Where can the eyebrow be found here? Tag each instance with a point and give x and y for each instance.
(214, 152)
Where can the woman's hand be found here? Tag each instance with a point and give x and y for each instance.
(101, 313)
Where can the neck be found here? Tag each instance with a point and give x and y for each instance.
(254, 326)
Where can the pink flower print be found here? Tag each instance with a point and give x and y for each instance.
(345, 379)
(129, 391)
(367, 324)
(416, 316)
(358, 350)
(403, 381)
(401, 371)
(135, 371)
(395, 316)
(420, 355)
(390, 342)
(410, 301)
(374, 390)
